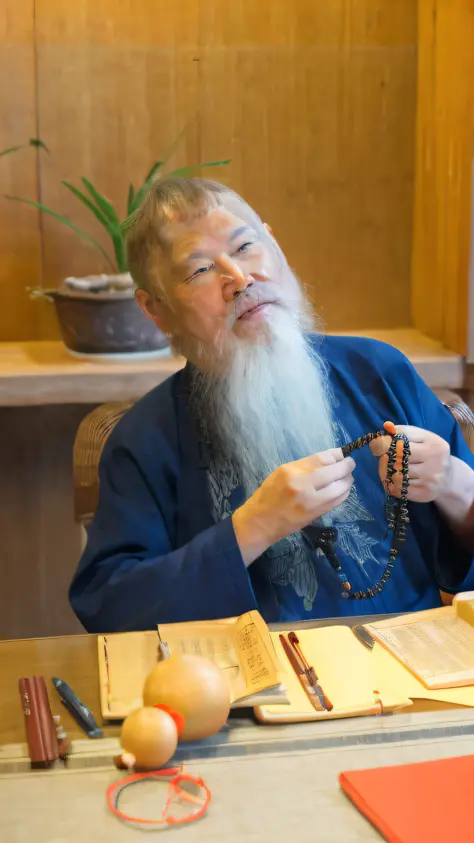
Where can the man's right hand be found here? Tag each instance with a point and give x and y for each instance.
(290, 498)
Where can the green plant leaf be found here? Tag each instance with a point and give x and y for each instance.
(138, 198)
(153, 171)
(120, 252)
(39, 144)
(130, 198)
(192, 167)
(105, 206)
(32, 142)
(64, 221)
(177, 141)
(9, 149)
(112, 228)
(87, 202)
(143, 189)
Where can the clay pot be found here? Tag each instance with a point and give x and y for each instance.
(104, 323)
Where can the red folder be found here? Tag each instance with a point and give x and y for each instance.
(431, 802)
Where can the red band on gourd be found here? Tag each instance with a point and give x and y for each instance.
(175, 715)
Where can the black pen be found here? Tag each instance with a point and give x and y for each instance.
(79, 711)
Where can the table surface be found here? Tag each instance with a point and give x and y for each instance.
(246, 765)
(41, 373)
(73, 658)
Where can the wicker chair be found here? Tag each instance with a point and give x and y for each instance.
(91, 437)
(97, 426)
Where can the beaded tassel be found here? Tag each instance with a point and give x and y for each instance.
(396, 511)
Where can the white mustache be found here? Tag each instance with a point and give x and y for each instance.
(252, 298)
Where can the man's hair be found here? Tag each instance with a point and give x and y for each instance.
(168, 198)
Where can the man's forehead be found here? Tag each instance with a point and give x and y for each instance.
(183, 236)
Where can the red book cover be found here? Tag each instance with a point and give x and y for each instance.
(39, 724)
(430, 802)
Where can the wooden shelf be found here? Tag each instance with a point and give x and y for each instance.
(41, 373)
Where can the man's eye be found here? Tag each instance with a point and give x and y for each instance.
(244, 247)
(200, 271)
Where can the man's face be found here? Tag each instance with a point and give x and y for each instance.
(225, 280)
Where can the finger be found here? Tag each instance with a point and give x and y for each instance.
(335, 490)
(380, 446)
(413, 434)
(328, 474)
(314, 461)
(399, 449)
(424, 470)
(417, 453)
(340, 500)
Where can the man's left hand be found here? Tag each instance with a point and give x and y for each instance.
(429, 464)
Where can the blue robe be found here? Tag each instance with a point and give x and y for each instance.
(155, 553)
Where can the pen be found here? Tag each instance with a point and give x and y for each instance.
(364, 636)
(301, 674)
(79, 711)
(310, 671)
(106, 657)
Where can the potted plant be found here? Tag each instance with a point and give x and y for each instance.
(98, 316)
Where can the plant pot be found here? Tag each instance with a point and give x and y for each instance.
(105, 323)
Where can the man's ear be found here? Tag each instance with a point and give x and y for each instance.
(154, 309)
(269, 229)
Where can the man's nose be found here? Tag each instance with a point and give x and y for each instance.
(234, 279)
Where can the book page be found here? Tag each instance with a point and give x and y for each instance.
(437, 647)
(240, 647)
(388, 668)
(125, 660)
(257, 656)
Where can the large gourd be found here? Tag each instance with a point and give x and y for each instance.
(194, 688)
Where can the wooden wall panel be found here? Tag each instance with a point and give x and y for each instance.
(444, 161)
(114, 93)
(41, 544)
(320, 128)
(19, 226)
(314, 102)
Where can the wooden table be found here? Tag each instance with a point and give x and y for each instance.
(74, 659)
(257, 773)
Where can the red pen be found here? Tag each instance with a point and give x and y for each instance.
(310, 671)
(301, 674)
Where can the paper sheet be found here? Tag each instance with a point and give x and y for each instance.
(434, 647)
(130, 656)
(389, 668)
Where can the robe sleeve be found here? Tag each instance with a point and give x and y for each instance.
(131, 578)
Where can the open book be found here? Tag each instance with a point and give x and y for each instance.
(347, 673)
(436, 645)
(357, 681)
(240, 647)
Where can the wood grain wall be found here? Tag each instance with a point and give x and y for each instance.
(444, 162)
(20, 246)
(314, 102)
(41, 544)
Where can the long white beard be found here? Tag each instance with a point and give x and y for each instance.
(271, 406)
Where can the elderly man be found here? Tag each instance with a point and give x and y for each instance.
(208, 483)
